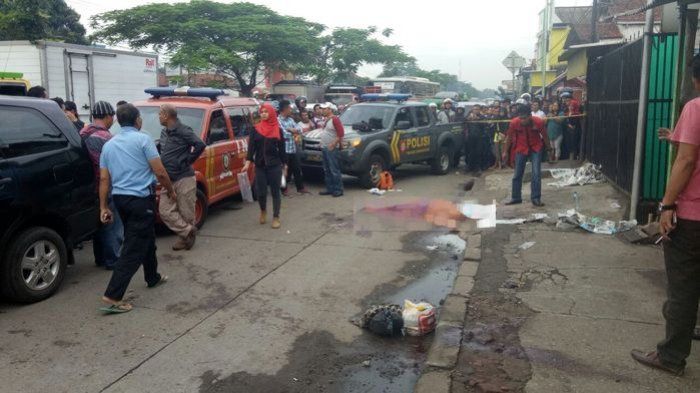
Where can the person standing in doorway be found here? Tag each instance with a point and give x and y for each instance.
(179, 149)
(290, 132)
(266, 148)
(680, 227)
(527, 134)
(331, 140)
(107, 242)
(130, 165)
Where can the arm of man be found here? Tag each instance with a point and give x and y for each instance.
(339, 130)
(105, 212)
(196, 144)
(162, 176)
(681, 172)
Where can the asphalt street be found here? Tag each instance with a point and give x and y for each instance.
(249, 308)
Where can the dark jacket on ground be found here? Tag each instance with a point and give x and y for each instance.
(179, 149)
(266, 152)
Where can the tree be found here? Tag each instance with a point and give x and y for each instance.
(344, 50)
(238, 40)
(40, 19)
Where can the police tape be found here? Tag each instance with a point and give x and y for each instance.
(509, 120)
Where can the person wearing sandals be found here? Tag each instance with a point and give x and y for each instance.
(266, 149)
(130, 165)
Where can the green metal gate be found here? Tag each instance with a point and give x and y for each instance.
(664, 49)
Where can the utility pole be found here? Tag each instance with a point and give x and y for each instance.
(594, 21)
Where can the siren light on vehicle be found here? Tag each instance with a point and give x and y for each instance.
(385, 97)
(204, 92)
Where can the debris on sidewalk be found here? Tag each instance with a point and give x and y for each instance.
(526, 245)
(431, 248)
(376, 191)
(418, 318)
(646, 234)
(615, 205)
(586, 174)
(596, 224)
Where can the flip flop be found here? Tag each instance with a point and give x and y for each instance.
(119, 308)
(163, 280)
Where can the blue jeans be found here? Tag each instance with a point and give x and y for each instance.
(331, 170)
(536, 184)
(107, 242)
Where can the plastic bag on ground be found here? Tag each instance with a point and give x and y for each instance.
(383, 320)
(244, 183)
(418, 318)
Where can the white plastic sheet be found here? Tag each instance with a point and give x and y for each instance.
(586, 174)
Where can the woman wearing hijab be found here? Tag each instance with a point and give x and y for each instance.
(266, 151)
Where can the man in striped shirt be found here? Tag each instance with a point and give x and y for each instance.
(289, 131)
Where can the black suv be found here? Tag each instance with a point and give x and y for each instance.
(48, 198)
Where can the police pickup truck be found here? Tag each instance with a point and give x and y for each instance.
(385, 131)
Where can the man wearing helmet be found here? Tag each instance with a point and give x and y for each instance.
(300, 103)
(433, 109)
(446, 115)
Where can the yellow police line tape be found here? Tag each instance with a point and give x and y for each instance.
(509, 120)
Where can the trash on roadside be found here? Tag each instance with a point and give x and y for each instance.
(376, 191)
(596, 224)
(526, 245)
(615, 205)
(418, 318)
(366, 363)
(586, 174)
(432, 248)
(382, 320)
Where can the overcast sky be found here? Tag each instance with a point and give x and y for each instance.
(441, 35)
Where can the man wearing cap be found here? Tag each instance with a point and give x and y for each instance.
(331, 140)
(529, 138)
(446, 115)
(179, 149)
(107, 242)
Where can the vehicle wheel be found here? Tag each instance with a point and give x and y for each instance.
(201, 209)
(375, 161)
(34, 265)
(441, 163)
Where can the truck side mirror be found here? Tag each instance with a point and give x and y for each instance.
(403, 125)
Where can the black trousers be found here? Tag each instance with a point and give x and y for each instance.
(294, 170)
(682, 257)
(138, 215)
(269, 177)
(472, 153)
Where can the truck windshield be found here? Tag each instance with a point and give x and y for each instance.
(151, 124)
(368, 117)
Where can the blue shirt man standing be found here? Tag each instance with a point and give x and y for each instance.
(130, 165)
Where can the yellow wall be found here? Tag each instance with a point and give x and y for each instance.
(536, 78)
(557, 38)
(577, 65)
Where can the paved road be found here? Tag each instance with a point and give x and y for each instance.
(248, 309)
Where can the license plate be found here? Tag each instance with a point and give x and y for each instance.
(314, 158)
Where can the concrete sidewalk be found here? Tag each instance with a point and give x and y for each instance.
(562, 315)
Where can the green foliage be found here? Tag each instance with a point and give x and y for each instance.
(236, 39)
(344, 50)
(40, 19)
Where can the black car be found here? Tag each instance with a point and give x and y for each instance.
(48, 198)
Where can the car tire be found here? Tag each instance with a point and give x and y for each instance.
(441, 164)
(33, 243)
(201, 209)
(365, 177)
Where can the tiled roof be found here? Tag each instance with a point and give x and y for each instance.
(620, 6)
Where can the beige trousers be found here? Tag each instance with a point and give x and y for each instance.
(178, 214)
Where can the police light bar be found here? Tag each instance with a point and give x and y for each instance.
(205, 92)
(385, 97)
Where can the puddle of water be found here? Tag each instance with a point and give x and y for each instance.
(434, 286)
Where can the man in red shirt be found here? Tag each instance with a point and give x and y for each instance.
(680, 226)
(528, 138)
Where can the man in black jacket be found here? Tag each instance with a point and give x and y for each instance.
(179, 149)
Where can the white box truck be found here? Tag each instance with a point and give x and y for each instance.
(82, 74)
